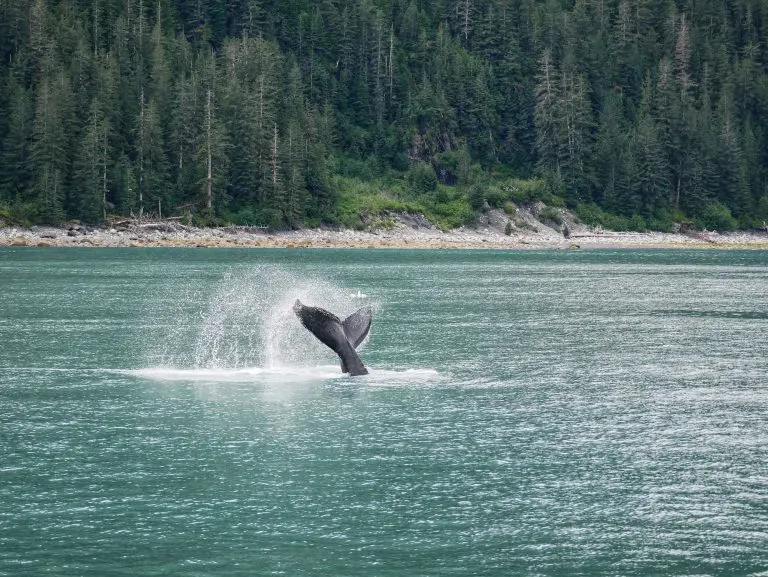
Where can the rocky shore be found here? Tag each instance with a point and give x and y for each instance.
(408, 231)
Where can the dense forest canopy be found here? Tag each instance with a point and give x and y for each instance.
(271, 111)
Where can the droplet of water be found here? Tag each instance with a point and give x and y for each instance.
(250, 320)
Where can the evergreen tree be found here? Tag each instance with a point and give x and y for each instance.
(90, 170)
(650, 189)
(50, 149)
(17, 172)
(575, 136)
(547, 117)
(610, 147)
(638, 105)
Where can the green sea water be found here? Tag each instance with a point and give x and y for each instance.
(565, 413)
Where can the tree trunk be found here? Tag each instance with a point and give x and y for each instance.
(141, 156)
(209, 181)
(104, 177)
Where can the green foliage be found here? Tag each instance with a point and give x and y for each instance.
(531, 190)
(256, 108)
(453, 214)
(637, 224)
(761, 213)
(662, 222)
(358, 197)
(508, 228)
(421, 179)
(549, 213)
(590, 214)
(617, 222)
(476, 196)
(496, 196)
(717, 216)
(525, 225)
(453, 166)
(205, 218)
(510, 208)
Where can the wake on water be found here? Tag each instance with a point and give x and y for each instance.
(247, 331)
(281, 375)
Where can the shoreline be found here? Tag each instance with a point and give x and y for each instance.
(401, 237)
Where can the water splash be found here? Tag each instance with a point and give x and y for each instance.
(249, 375)
(250, 322)
(377, 378)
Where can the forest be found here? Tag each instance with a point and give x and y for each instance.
(637, 114)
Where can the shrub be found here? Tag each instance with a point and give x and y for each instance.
(450, 215)
(268, 217)
(477, 196)
(508, 228)
(761, 211)
(496, 196)
(550, 213)
(454, 165)
(557, 201)
(421, 179)
(660, 224)
(529, 190)
(510, 208)
(637, 223)
(443, 194)
(664, 220)
(615, 222)
(354, 168)
(590, 214)
(20, 213)
(5, 214)
(717, 216)
(525, 225)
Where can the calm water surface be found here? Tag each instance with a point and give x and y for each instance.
(527, 413)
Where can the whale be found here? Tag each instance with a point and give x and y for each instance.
(342, 337)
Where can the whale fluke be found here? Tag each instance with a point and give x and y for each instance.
(357, 325)
(330, 331)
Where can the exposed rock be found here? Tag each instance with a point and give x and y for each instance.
(158, 227)
(411, 220)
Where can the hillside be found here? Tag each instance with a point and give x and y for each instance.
(636, 114)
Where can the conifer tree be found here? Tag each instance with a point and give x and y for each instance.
(610, 146)
(547, 117)
(651, 180)
(90, 170)
(50, 150)
(558, 88)
(17, 172)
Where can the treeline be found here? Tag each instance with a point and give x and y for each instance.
(249, 110)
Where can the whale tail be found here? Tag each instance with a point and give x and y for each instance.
(330, 330)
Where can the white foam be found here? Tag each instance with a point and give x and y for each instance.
(249, 374)
(376, 377)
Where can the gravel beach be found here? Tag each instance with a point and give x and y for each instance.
(485, 236)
